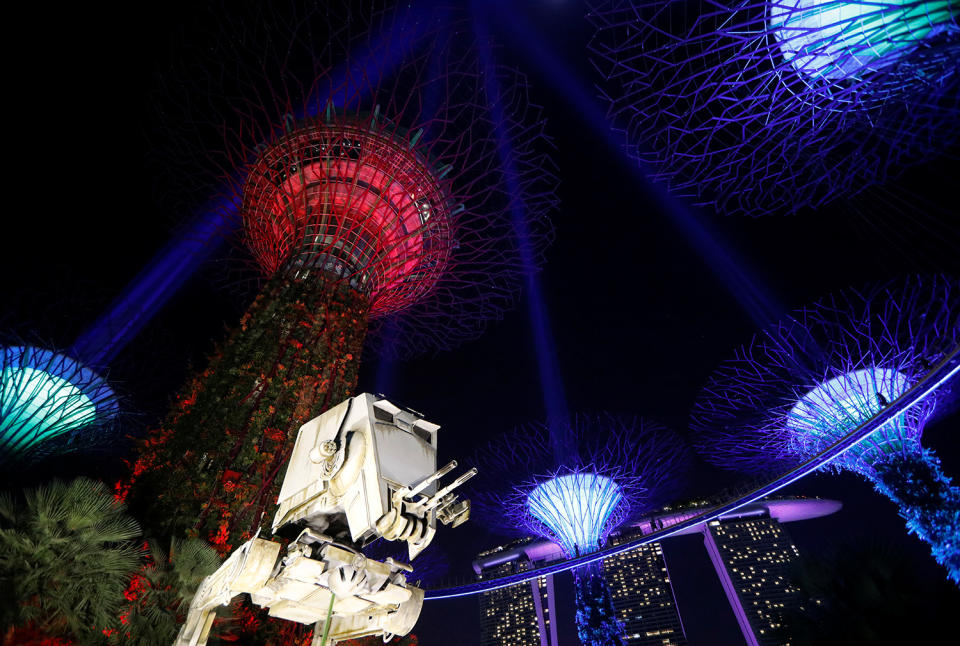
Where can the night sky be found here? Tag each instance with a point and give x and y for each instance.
(646, 294)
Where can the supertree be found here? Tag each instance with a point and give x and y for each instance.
(50, 403)
(806, 383)
(55, 399)
(770, 106)
(359, 150)
(606, 470)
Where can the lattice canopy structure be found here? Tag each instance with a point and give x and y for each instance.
(576, 508)
(798, 388)
(577, 490)
(381, 169)
(850, 39)
(352, 199)
(48, 402)
(614, 468)
(772, 106)
(382, 149)
(829, 411)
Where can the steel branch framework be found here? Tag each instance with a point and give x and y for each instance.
(49, 403)
(800, 385)
(576, 509)
(770, 106)
(939, 376)
(365, 143)
(609, 468)
(573, 483)
(806, 383)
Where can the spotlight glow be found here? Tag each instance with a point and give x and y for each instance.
(576, 509)
(836, 39)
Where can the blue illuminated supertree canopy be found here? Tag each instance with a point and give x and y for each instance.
(573, 484)
(803, 385)
(49, 403)
(770, 106)
(576, 508)
(612, 468)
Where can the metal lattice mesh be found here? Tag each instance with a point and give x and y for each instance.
(370, 110)
(761, 107)
(353, 200)
(46, 400)
(610, 469)
(802, 385)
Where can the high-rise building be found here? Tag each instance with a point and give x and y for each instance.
(642, 594)
(522, 614)
(750, 550)
(753, 557)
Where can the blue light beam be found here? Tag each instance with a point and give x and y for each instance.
(754, 298)
(150, 290)
(551, 383)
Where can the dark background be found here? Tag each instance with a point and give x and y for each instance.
(645, 294)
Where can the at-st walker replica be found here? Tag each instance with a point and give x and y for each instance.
(363, 470)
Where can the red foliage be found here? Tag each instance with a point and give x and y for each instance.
(214, 468)
(30, 635)
(409, 640)
(134, 590)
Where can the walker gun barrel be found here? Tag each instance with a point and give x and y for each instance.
(433, 478)
(436, 498)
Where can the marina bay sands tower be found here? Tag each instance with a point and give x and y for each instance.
(750, 550)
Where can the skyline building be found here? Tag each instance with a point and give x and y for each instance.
(753, 557)
(643, 595)
(522, 614)
(750, 551)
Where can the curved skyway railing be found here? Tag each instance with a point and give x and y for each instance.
(937, 377)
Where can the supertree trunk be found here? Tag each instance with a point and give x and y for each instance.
(927, 500)
(216, 464)
(597, 623)
(814, 378)
(362, 153)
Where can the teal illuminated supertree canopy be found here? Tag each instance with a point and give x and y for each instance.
(843, 39)
(807, 383)
(48, 402)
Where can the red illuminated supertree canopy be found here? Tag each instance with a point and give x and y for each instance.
(388, 179)
(352, 200)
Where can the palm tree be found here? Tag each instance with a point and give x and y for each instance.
(65, 559)
(160, 594)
